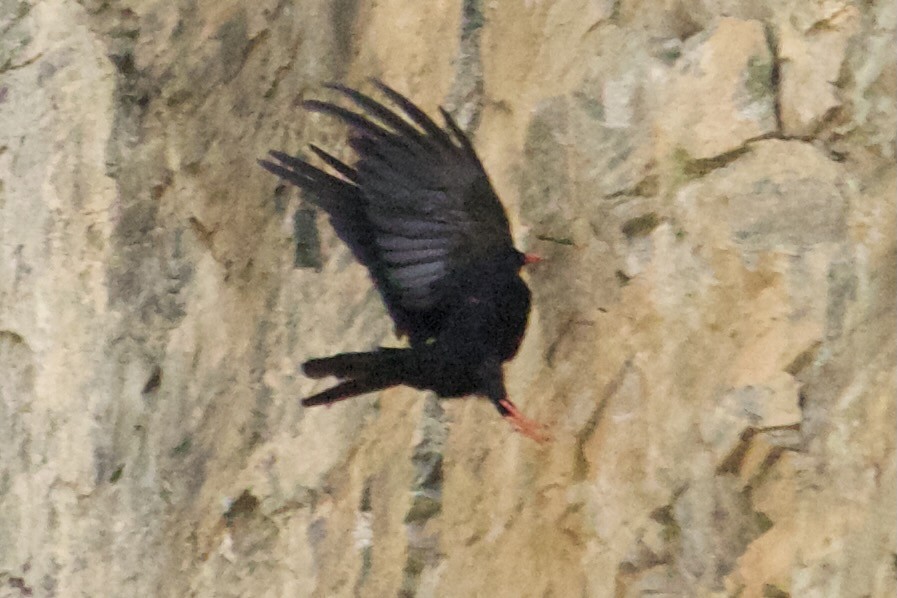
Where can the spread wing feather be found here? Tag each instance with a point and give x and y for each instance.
(416, 207)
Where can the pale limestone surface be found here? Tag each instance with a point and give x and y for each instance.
(811, 63)
(712, 340)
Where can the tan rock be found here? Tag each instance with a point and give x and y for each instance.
(766, 565)
(810, 67)
(780, 194)
(765, 450)
(770, 405)
(721, 93)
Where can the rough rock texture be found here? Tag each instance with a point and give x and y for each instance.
(713, 339)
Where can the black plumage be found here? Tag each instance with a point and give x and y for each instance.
(417, 209)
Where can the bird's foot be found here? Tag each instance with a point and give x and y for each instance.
(526, 426)
(531, 258)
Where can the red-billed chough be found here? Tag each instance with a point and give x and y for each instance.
(418, 210)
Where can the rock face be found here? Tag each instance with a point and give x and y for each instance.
(713, 338)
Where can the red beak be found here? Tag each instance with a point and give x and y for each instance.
(531, 258)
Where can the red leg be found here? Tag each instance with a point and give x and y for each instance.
(526, 426)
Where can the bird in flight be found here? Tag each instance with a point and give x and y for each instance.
(418, 211)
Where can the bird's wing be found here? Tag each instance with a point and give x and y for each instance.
(428, 199)
(346, 207)
(341, 200)
(416, 208)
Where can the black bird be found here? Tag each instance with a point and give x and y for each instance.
(418, 210)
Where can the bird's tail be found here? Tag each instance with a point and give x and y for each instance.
(356, 365)
(361, 373)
